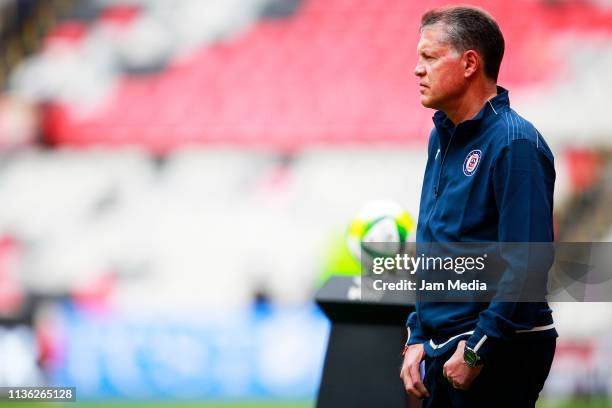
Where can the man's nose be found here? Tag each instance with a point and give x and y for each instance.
(419, 70)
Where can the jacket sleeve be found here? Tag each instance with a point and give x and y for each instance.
(415, 334)
(523, 183)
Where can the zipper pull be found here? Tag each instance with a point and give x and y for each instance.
(435, 192)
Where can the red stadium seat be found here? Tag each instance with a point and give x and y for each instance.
(339, 71)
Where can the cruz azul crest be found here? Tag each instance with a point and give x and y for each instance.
(471, 162)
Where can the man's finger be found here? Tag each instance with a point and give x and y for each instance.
(408, 382)
(458, 386)
(417, 381)
(447, 376)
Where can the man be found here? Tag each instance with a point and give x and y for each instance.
(489, 178)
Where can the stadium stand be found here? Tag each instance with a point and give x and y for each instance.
(280, 83)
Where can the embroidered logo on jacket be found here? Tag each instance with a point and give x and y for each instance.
(471, 162)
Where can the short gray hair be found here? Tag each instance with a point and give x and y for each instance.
(471, 28)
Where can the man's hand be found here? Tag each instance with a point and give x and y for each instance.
(459, 374)
(410, 371)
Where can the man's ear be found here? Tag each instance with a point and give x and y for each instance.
(471, 63)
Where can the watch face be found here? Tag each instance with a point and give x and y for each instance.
(470, 357)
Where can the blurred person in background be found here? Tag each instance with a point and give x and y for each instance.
(489, 178)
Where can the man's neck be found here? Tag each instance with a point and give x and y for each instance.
(470, 103)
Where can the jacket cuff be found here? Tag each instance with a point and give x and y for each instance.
(415, 336)
(482, 345)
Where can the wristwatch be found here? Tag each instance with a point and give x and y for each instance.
(470, 358)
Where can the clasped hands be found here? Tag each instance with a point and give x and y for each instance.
(459, 374)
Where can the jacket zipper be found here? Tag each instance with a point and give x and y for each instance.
(436, 195)
(437, 186)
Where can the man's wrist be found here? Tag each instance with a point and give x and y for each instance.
(408, 346)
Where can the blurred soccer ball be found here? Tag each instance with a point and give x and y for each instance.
(380, 229)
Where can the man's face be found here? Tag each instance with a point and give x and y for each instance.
(440, 69)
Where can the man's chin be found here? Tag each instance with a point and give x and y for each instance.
(427, 102)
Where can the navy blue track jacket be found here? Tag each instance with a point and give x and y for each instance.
(488, 179)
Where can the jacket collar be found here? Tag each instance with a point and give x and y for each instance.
(493, 106)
